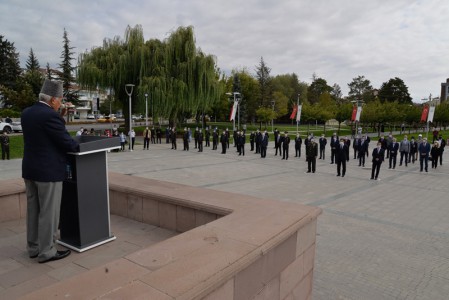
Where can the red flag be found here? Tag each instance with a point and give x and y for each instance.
(354, 113)
(295, 110)
(425, 112)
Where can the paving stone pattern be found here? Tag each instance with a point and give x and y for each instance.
(386, 239)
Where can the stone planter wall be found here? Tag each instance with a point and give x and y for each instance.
(230, 246)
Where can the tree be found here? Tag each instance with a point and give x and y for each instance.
(265, 83)
(179, 78)
(318, 87)
(9, 70)
(66, 75)
(343, 113)
(360, 89)
(394, 90)
(33, 75)
(336, 93)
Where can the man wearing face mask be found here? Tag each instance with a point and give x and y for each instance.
(298, 142)
(378, 157)
(341, 158)
(362, 149)
(46, 142)
(413, 150)
(404, 148)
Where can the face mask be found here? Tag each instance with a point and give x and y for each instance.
(342, 144)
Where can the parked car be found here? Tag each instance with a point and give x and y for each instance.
(91, 117)
(10, 127)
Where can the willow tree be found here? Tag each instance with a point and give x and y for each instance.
(179, 78)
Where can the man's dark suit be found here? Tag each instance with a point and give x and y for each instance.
(341, 157)
(46, 142)
(44, 166)
(378, 158)
(424, 150)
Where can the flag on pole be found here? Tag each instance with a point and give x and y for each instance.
(431, 113)
(295, 109)
(233, 111)
(298, 115)
(359, 112)
(424, 114)
(354, 113)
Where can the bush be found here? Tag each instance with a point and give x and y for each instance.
(6, 112)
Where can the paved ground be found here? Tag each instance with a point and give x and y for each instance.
(386, 239)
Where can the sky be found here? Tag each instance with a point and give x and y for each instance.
(335, 40)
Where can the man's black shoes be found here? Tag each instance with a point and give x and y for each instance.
(59, 255)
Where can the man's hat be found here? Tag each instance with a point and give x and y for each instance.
(52, 88)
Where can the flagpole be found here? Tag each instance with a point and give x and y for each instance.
(297, 122)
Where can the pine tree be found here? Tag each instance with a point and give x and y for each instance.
(264, 79)
(33, 77)
(67, 69)
(9, 64)
(32, 63)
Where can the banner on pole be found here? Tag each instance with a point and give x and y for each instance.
(295, 109)
(424, 114)
(298, 115)
(354, 113)
(233, 111)
(431, 113)
(359, 112)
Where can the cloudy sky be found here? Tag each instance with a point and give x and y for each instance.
(336, 40)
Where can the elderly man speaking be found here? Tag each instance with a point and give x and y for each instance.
(46, 142)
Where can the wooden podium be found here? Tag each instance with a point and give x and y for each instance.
(85, 214)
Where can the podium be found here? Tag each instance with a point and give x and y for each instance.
(85, 214)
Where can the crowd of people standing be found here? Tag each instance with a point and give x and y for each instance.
(386, 149)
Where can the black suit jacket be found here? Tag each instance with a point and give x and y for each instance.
(378, 156)
(46, 142)
(342, 153)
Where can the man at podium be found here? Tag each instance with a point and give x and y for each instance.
(46, 142)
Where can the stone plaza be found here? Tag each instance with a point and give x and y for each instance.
(384, 239)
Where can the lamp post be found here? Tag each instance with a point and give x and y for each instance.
(358, 103)
(129, 90)
(237, 107)
(272, 119)
(146, 109)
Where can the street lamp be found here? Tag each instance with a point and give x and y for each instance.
(146, 109)
(272, 119)
(129, 90)
(236, 102)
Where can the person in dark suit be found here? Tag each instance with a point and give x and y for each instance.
(394, 149)
(362, 148)
(298, 143)
(241, 140)
(311, 154)
(185, 139)
(424, 151)
(323, 142)
(378, 157)
(199, 140)
(4, 141)
(341, 157)
(207, 138)
(224, 142)
(264, 145)
(334, 145)
(44, 167)
(252, 139)
(285, 146)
